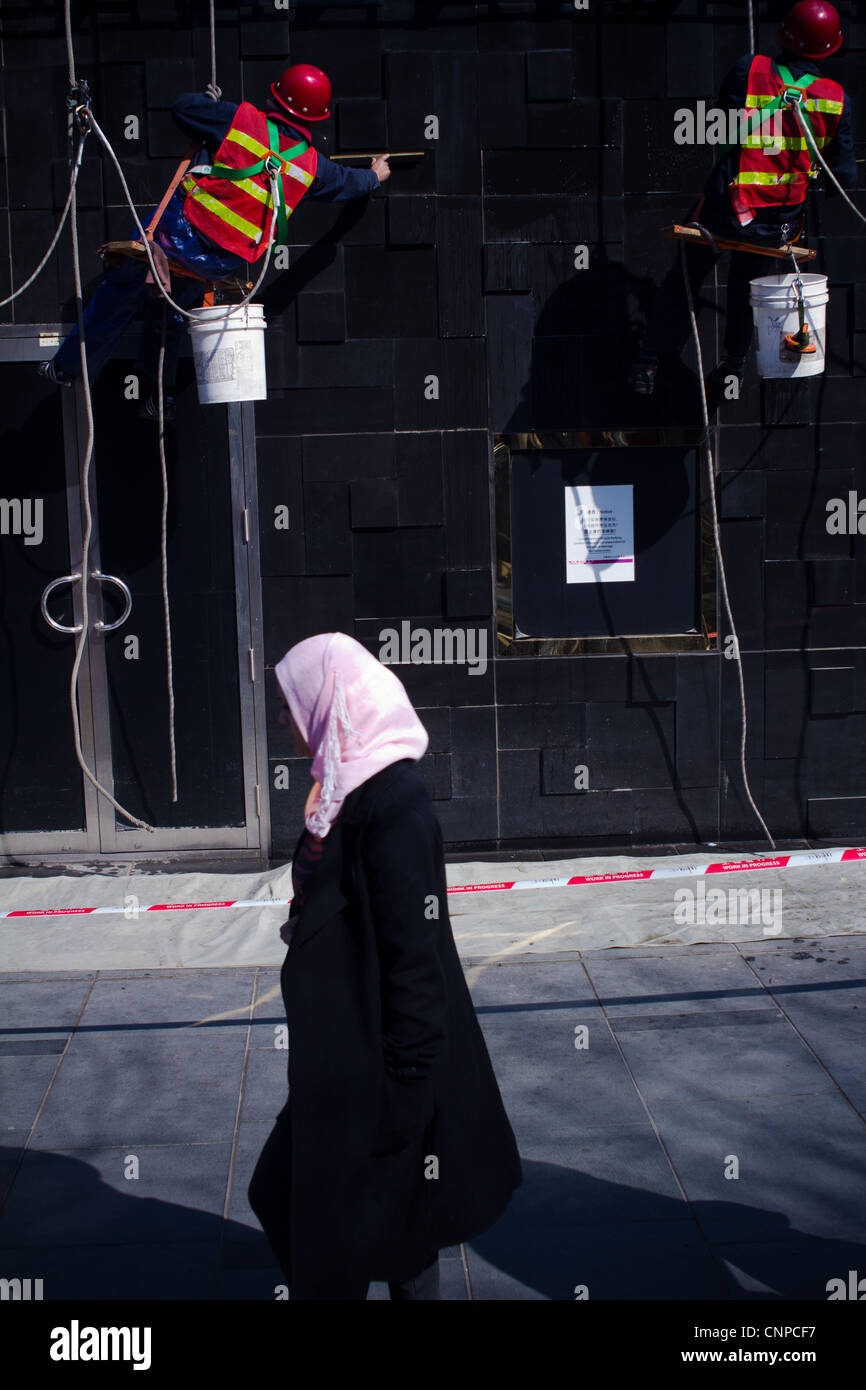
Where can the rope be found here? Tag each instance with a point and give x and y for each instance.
(706, 234)
(213, 80)
(88, 459)
(816, 153)
(751, 27)
(75, 170)
(70, 52)
(85, 561)
(718, 542)
(42, 264)
(164, 559)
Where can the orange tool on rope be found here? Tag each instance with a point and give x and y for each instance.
(799, 342)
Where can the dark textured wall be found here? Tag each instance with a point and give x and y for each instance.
(555, 129)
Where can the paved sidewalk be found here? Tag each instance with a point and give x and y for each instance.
(700, 1059)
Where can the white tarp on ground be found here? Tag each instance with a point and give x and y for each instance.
(819, 900)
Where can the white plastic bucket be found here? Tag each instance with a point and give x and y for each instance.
(228, 345)
(774, 308)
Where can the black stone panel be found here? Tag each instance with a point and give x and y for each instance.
(417, 556)
(300, 607)
(419, 479)
(327, 531)
(412, 220)
(628, 746)
(459, 236)
(392, 295)
(343, 458)
(321, 411)
(281, 507)
(374, 503)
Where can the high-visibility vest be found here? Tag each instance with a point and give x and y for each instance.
(775, 168)
(235, 208)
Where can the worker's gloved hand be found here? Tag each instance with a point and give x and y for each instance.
(408, 1104)
(213, 91)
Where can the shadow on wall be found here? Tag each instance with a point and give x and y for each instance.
(289, 283)
(582, 344)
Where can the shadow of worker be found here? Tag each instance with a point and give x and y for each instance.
(583, 342)
(89, 1232)
(568, 1235)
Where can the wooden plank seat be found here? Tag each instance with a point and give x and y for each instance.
(692, 234)
(114, 252)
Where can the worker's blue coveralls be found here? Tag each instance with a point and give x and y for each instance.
(669, 324)
(124, 291)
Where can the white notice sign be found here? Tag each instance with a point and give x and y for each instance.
(599, 534)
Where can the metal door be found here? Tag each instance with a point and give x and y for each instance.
(48, 806)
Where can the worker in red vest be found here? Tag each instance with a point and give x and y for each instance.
(758, 189)
(220, 218)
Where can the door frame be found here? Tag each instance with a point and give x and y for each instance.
(101, 841)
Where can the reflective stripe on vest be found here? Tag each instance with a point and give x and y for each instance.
(810, 103)
(225, 214)
(248, 142)
(758, 176)
(300, 174)
(782, 142)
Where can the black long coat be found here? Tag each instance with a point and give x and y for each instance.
(400, 1141)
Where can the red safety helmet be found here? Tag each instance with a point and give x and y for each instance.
(303, 91)
(812, 29)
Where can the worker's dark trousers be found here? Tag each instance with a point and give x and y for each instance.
(122, 294)
(269, 1198)
(669, 325)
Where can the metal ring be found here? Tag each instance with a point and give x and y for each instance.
(113, 579)
(49, 588)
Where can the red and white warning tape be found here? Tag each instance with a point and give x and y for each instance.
(800, 859)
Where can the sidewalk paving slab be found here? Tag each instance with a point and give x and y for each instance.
(696, 1053)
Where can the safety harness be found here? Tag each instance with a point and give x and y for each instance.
(272, 164)
(791, 95)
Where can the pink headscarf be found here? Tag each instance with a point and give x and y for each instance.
(353, 713)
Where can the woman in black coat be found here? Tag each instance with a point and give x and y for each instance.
(394, 1141)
